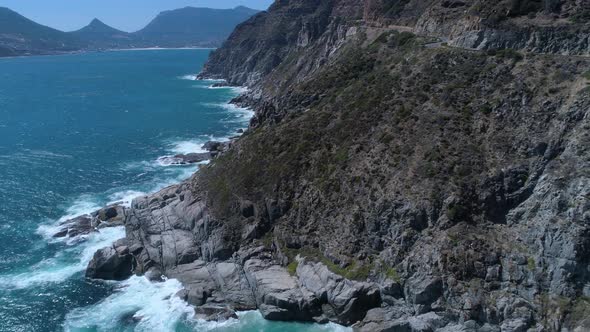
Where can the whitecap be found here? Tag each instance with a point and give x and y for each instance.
(138, 303)
(213, 80)
(64, 264)
(194, 145)
(125, 197)
(84, 205)
(188, 146)
(237, 114)
(235, 89)
(188, 77)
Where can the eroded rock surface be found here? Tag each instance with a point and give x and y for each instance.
(412, 166)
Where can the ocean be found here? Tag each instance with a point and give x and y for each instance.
(81, 131)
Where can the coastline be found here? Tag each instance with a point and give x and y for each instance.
(77, 226)
(105, 50)
(171, 236)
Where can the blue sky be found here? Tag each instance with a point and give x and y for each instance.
(127, 15)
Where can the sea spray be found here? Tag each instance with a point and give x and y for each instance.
(137, 304)
(96, 124)
(66, 263)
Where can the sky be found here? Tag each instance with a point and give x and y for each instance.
(126, 15)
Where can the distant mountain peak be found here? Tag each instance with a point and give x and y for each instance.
(98, 26)
(96, 21)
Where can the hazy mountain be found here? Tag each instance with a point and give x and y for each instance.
(101, 36)
(193, 26)
(21, 36)
(176, 28)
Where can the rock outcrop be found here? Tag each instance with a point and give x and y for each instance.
(171, 234)
(110, 216)
(399, 174)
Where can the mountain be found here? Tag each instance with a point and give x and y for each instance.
(412, 166)
(102, 36)
(21, 36)
(177, 28)
(193, 26)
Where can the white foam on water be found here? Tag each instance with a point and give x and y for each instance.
(253, 321)
(236, 113)
(86, 204)
(189, 77)
(194, 145)
(125, 197)
(61, 267)
(235, 89)
(188, 146)
(138, 303)
(214, 80)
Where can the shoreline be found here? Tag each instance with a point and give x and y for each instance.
(120, 221)
(80, 52)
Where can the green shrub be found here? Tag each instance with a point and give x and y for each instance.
(292, 267)
(392, 274)
(531, 263)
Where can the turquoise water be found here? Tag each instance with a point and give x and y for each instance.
(78, 132)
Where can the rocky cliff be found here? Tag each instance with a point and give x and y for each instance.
(394, 177)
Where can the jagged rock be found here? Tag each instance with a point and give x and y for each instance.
(461, 175)
(214, 146)
(74, 227)
(278, 295)
(196, 296)
(423, 289)
(110, 216)
(515, 325)
(427, 322)
(349, 300)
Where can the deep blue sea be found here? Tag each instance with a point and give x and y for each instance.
(81, 131)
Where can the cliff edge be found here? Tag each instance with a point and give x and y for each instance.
(412, 166)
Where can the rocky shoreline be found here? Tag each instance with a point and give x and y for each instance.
(171, 234)
(387, 182)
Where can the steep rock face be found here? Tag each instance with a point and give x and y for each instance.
(260, 44)
(448, 177)
(388, 181)
(316, 28)
(171, 233)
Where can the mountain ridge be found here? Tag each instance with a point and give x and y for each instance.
(175, 28)
(21, 36)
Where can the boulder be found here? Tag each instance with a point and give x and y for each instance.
(423, 289)
(278, 294)
(427, 322)
(110, 263)
(81, 225)
(110, 216)
(349, 299)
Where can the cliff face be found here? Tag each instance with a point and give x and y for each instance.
(259, 45)
(389, 180)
